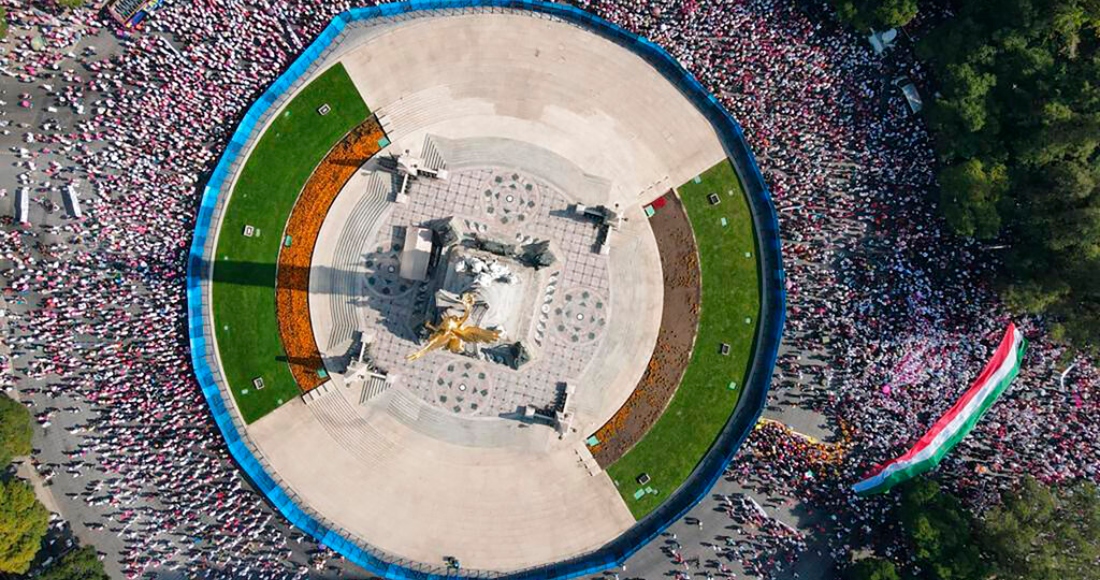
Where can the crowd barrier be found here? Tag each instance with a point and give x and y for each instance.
(710, 468)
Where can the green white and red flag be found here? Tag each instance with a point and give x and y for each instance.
(956, 423)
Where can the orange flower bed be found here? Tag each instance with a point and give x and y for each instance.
(303, 227)
(675, 338)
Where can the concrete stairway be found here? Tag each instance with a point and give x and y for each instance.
(372, 387)
(440, 424)
(433, 159)
(346, 277)
(424, 109)
(350, 430)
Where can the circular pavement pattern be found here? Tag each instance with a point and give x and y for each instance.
(416, 482)
(510, 198)
(464, 387)
(383, 277)
(580, 317)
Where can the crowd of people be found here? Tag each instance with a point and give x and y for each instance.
(889, 316)
(95, 307)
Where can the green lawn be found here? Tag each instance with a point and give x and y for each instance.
(244, 275)
(731, 295)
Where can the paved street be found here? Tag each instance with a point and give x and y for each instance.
(65, 485)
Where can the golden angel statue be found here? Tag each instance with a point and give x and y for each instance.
(451, 333)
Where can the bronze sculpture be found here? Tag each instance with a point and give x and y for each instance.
(451, 333)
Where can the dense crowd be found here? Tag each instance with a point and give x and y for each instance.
(96, 306)
(889, 316)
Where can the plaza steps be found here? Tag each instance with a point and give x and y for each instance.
(430, 154)
(439, 104)
(313, 394)
(584, 456)
(380, 186)
(469, 152)
(496, 77)
(543, 164)
(427, 419)
(410, 112)
(374, 385)
(385, 122)
(354, 433)
(405, 407)
(347, 273)
(484, 432)
(424, 109)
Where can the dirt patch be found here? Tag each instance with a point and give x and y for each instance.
(303, 227)
(675, 339)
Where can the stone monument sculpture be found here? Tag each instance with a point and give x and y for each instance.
(452, 334)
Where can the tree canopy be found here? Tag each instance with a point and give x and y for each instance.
(872, 569)
(79, 564)
(1017, 130)
(864, 15)
(23, 523)
(15, 430)
(1039, 533)
(940, 532)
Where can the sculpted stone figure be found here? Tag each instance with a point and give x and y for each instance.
(451, 333)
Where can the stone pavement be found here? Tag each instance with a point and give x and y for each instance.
(383, 470)
(538, 81)
(421, 498)
(557, 358)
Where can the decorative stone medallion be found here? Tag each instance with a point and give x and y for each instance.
(580, 316)
(383, 274)
(510, 198)
(463, 387)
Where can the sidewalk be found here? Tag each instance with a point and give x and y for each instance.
(24, 470)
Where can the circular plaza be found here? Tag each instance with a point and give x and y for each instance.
(485, 289)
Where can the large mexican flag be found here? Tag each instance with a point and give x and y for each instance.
(956, 423)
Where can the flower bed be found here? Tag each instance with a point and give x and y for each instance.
(302, 229)
(675, 338)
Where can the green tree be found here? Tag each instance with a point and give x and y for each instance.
(940, 532)
(872, 569)
(79, 564)
(864, 15)
(968, 87)
(1032, 296)
(70, 4)
(1081, 326)
(1073, 139)
(1071, 179)
(1040, 533)
(15, 430)
(23, 523)
(969, 194)
(1017, 128)
(3, 23)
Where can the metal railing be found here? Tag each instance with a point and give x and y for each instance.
(766, 341)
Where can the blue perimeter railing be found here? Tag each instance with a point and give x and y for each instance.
(766, 342)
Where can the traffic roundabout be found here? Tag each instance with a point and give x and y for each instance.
(492, 287)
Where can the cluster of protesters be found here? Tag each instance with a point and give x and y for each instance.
(889, 315)
(94, 307)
